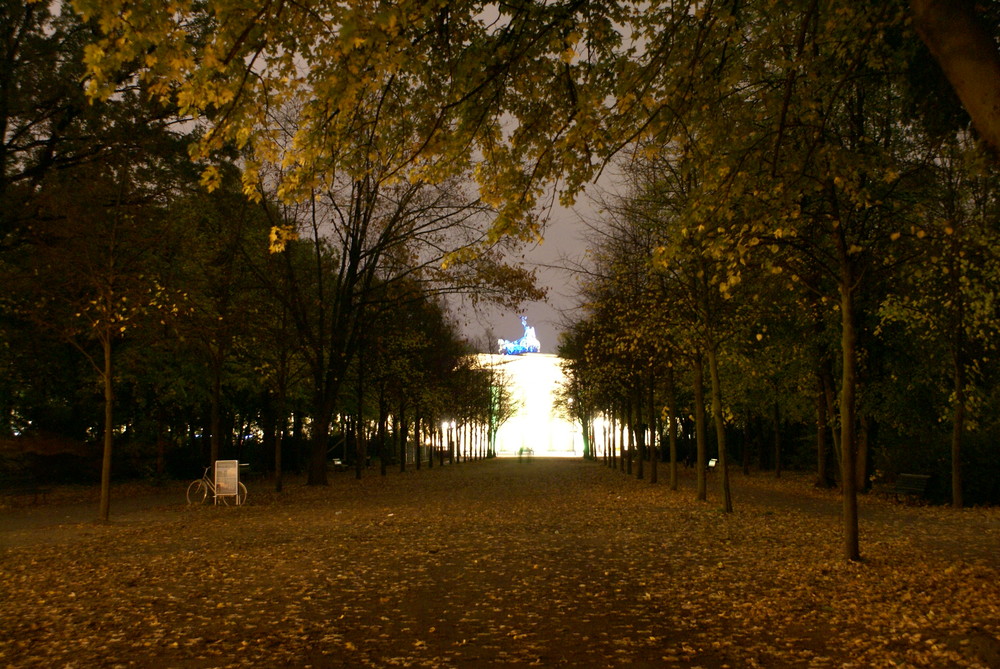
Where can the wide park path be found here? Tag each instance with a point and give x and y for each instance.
(495, 563)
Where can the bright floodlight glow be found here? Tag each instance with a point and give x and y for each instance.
(536, 424)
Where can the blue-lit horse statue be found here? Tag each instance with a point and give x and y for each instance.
(528, 343)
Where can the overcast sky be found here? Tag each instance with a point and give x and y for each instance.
(564, 246)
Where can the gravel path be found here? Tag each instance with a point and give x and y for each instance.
(499, 563)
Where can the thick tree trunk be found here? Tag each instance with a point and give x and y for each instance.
(319, 440)
(720, 426)
(320, 433)
(699, 428)
(967, 53)
(847, 407)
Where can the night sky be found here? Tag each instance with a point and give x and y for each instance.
(564, 246)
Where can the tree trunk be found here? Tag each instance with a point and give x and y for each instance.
(654, 448)
(967, 54)
(215, 413)
(607, 436)
(777, 441)
(747, 440)
(109, 400)
(430, 437)
(958, 424)
(360, 447)
(454, 443)
(759, 442)
(402, 431)
(958, 417)
(822, 447)
(441, 449)
(279, 442)
(319, 440)
(672, 426)
(417, 439)
(699, 427)
(848, 389)
(863, 456)
(383, 420)
(628, 437)
(720, 426)
(639, 437)
(161, 442)
(297, 439)
(621, 446)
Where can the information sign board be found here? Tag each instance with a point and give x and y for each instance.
(227, 478)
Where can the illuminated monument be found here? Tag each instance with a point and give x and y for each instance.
(528, 343)
(533, 379)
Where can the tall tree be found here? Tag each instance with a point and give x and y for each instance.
(93, 268)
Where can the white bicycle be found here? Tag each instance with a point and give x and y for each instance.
(200, 489)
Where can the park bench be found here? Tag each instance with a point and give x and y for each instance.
(908, 485)
(22, 486)
(338, 465)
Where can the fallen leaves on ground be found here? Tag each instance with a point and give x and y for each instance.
(539, 563)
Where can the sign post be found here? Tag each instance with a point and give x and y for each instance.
(227, 479)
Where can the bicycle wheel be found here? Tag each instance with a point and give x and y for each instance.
(197, 492)
(239, 498)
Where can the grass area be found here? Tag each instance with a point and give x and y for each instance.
(548, 562)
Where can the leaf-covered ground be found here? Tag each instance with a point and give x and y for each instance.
(548, 562)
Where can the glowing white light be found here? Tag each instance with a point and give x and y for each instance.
(536, 424)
